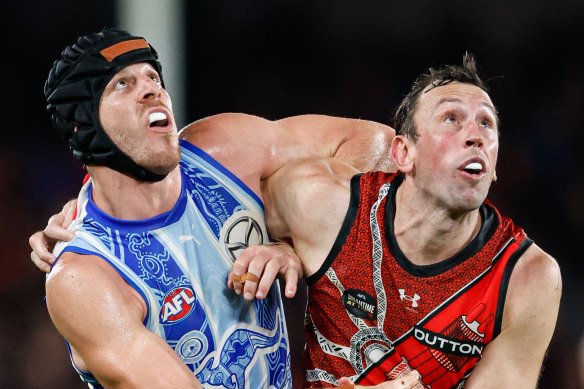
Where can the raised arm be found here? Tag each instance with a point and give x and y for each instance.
(101, 318)
(514, 358)
(254, 148)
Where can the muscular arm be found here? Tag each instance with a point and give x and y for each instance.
(514, 358)
(306, 202)
(101, 317)
(254, 148)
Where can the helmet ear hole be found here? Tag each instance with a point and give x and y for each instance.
(62, 125)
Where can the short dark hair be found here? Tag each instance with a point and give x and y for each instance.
(403, 119)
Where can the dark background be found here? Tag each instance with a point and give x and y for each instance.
(281, 58)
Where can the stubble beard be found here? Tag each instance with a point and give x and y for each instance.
(161, 157)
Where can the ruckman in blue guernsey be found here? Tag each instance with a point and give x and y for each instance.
(140, 293)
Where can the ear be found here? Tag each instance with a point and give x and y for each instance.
(403, 153)
(495, 176)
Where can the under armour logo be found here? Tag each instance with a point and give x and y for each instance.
(414, 300)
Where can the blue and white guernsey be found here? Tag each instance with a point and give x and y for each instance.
(179, 262)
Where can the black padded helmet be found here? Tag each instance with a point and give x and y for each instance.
(74, 88)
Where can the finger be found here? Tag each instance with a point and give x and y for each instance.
(254, 274)
(240, 267)
(291, 278)
(256, 260)
(69, 212)
(230, 284)
(55, 231)
(39, 246)
(250, 286)
(268, 277)
(242, 278)
(233, 282)
(241, 264)
(42, 265)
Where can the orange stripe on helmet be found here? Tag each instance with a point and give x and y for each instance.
(110, 53)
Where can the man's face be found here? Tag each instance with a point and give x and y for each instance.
(136, 113)
(457, 148)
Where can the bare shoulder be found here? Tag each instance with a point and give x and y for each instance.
(76, 271)
(70, 272)
(306, 201)
(322, 191)
(537, 273)
(533, 296)
(514, 358)
(296, 190)
(230, 125)
(85, 287)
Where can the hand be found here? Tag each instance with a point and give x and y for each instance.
(409, 381)
(43, 242)
(265, 262)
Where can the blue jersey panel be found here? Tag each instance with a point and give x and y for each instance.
(179, 262)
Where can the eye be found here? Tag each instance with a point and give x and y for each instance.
(486, 123)
(450, 118)
(121, 83)
(155, 77)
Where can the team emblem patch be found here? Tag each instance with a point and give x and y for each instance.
(243, 229)
(360, 304)
(177, 305)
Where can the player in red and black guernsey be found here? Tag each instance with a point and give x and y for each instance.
(417, 270)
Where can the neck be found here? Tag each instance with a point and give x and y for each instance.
(124, 197)
(427, 233)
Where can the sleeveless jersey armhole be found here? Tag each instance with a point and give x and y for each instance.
(505, 284)
(344, 231)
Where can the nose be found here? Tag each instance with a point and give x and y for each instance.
(474, 136)
(148, 89)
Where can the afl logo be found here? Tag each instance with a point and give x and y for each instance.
(177, 305)
(241, 231)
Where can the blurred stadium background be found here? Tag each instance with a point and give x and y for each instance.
(282, 58)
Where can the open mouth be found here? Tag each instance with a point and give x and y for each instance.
(158, 119)
(473, 168)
